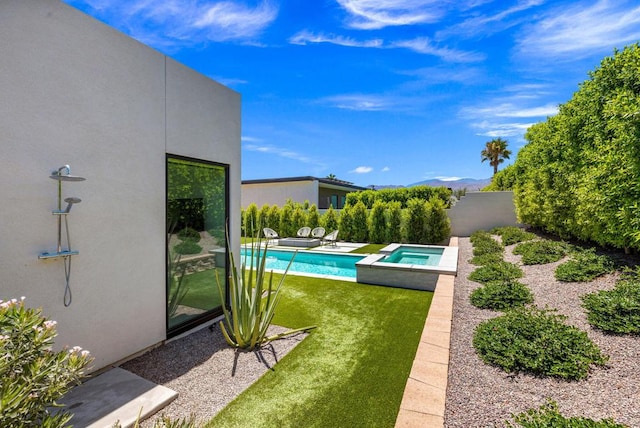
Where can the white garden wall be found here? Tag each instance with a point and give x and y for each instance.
(75, 91)
(482, 211)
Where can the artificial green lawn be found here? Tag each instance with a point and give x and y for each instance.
(352, 369)
(203, 291)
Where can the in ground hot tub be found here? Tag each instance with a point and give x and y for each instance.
(408, 266)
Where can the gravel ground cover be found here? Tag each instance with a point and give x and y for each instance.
(479, 395)
(206, 372)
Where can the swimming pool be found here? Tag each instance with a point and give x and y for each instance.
(311, 263)
(415, 255)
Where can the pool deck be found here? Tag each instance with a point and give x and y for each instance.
(426, 389)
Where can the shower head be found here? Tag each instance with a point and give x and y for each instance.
(70, 201)
(58, 175)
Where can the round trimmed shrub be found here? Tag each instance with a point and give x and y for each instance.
(615, 311)
(187, 247)
(189, 234)
(548, 415)
(499, 271)
(501, 295)
(536, 341)
(541, 252)
(512, 234)
(584, 266)
(486, 259)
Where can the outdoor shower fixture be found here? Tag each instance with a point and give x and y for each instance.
(64, 174)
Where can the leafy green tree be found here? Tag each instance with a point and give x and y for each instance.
(298, 220)
(503, 180)
(415, 227)
(438, 223)
(360, 230)
(313, 217)
(394, 214)
(263, 215)
(378, 223)
(346, 223)
(495, 152)
(286, 217)
(273, 220)
(251, 220)
(330, 219)
(579, 175)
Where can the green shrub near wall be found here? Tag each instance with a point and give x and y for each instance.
(286, 217)
(378, 223)
(394, 214)
(298, 220)
(415, 224)
(360, 230)
(402, 195)
(273, 220)
(313, 217)
(330, 220)
(251, 220)
(579, 174)
(438, 223)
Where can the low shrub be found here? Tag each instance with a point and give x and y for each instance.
(512, 234)
(479, 235)
(615, 311)
(32, 376)
(541, 252)
(536, 341)
(501, 295)
(189, 234)
(548, 415)
(487, 258)
(499, 271)
(585, 265)
(486, 247)
(187, 247)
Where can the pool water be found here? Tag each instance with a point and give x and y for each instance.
(342, 265)
(415, 256)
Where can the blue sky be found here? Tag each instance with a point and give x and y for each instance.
(382, 91)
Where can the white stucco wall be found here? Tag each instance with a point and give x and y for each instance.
(75, 91)
(276, 193)
(482, 211)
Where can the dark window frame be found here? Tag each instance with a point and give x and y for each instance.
(215, 312)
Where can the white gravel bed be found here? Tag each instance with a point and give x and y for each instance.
(479, 395)
(206, 372)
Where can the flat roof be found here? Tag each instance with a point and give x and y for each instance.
(329, 182)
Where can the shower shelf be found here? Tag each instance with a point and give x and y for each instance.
(58, 254)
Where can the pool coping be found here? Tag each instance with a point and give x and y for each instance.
(423, 402)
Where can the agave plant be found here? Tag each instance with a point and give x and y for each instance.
(253, 298)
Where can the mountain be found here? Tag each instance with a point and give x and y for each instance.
(471, 184)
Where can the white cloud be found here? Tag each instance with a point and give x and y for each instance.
(445, 178)
(277, 151)
(511, 110)
(304, 37)
(376, 14)
(359, 102)
(386, 169)
(579, 30)
(486, 25)
(497, 129)
(173, 24)
(424, 45)
(362, 170)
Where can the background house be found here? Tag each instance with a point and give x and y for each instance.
(275, 191)
(131, 120)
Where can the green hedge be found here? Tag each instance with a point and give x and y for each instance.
(579, 174)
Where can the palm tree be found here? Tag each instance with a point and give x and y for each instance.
(331, 177)
(495, 152)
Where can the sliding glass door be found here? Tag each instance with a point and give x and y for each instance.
(197, 209)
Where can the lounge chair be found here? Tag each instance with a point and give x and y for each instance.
(318, 233)
(304, 232)
(270, 234)
(331, 238)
